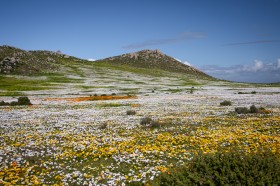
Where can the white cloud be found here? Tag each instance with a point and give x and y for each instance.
(258, 71)
(185, 62)
(91, 59)
(256, 66)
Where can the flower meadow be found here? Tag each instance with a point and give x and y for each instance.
(60, 142)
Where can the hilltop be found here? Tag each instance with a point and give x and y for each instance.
(153, 59)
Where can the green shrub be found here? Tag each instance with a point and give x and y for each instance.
(231, 168)
(21, 101)
(14, 103)
(2, 103)
(253, 92)
(24, 101)
(130, 112)
(242, 110)
(155, 124)
(146, 121)
(226, 103)
(254, 109)
(103, 126)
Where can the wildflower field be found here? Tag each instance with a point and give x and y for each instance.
(71, 140)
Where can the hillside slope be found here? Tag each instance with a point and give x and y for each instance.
(16, 61)
(153, 59)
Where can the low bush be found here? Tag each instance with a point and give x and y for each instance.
(155, 124)
(21, 101)
(228, 168)
(242, 110)
(103, 126)
(146, 121)
(2, 103)
(253, 109)
(24, 101)
(226, 103)
(130, 112)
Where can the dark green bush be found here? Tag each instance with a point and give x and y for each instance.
(242, 110)
(226, 103)
(254, 109)
(154, 124)
(24, 101)
(21, 101)
(14, 103)
(231, 168)
(253, 92)
(130, 112)
(146, 121)
(2, 103)
(103, 126)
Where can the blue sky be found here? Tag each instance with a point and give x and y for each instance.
(230, 39)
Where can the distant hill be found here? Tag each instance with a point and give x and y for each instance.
(153, 59)
(16, 61)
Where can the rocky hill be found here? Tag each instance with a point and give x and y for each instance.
(153, 59)
(16, 61)
(22, 62)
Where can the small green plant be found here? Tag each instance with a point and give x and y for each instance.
(254, 109)
(103, 126)
(242, 110)
(146, 121)
(226, 103)
(253, 92)
(155, 124)
(130, 112)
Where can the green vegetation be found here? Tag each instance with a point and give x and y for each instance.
(149, 122)
(226, 103)
(21, 101)
(12, 94)
(253, 109)
(33, 83)
(15, 84)
(130, 112)
(102, 105)
(253, 92)
(225, 168)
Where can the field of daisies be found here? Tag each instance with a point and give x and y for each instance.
(130, 140)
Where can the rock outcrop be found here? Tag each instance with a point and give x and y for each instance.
(9, 65)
